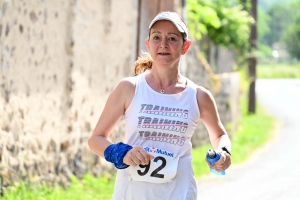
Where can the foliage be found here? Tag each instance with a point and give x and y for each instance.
(280, 19)
(292, 38)
(264, 51)
(246, 4)
(198, 16)
(221, 23)
(226, 23)
(277, 24)
(266, 4)
(263, 28)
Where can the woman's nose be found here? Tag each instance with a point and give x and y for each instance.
(164, 43)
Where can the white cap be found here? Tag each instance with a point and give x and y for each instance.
(174, 18)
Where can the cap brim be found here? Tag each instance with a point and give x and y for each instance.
(180, 29)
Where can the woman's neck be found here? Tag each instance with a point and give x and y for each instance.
(165, 77)
(165, 81)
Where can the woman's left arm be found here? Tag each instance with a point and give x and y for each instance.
(217, 133)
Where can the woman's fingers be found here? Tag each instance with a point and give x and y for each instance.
(127, 159)
(223, 163)
(137, 156)
(143, 156)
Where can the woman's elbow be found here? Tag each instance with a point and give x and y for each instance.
(90, 142)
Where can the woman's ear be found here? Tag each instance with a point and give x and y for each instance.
(186, 46)
(147, 44)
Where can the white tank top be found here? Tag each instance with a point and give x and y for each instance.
(163, 124)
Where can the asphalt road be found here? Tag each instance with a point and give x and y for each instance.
(272, 172)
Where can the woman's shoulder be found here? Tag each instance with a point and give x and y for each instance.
(126, 88)
(201, 90)
(203, 93)
(127, 84)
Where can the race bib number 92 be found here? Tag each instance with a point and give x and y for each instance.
(161, 169)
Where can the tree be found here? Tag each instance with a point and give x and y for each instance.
(226, 23)
(279, 16)
(252, 60)
(292, 38)
(263, 27)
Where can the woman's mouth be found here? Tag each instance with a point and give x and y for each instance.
(163, 54)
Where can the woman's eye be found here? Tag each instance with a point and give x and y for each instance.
(172, 39)
(155, 37)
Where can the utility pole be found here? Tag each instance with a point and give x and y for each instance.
(252, 60)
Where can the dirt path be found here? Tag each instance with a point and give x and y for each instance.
(273, 172)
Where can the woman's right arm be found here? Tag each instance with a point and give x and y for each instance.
(115, 107)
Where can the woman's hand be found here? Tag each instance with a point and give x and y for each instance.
(137, 156)
(223, 163)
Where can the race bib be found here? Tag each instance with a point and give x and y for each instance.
(161, 169)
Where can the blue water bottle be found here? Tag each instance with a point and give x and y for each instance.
(213, 157)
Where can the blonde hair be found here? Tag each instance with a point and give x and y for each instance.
(143, 63)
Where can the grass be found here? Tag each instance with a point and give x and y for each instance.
(89, 188)
(199, 164)
(253, 132)
(278, 70)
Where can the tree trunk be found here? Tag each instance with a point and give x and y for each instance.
(252, 60)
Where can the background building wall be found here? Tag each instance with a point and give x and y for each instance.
(59, 60)
(35, 69)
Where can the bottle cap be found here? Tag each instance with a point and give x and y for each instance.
(211, 153)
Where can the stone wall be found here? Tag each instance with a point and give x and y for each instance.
(59, 60)
(35, 86)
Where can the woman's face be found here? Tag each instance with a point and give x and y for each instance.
(166, 44)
